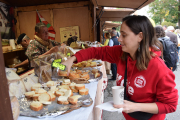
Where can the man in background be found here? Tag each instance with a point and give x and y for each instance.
(165, 28)
(112, 42)
(24, 40)
(170, 33)
(114, 30)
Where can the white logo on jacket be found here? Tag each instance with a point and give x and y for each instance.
(140, 82)
(130, 90)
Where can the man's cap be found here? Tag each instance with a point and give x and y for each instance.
(170, 28)
(19, 40)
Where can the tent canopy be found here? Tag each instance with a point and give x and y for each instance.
(114, 14)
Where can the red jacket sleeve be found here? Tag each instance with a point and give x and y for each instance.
(110, 54)
(167, 94)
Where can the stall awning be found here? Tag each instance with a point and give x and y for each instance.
(23, 3)
(134, 4)
(115, 14)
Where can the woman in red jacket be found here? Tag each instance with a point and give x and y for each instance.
(149, 82)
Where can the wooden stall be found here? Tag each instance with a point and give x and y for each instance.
(59, 13)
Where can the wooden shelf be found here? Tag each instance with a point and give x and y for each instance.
(14, 50)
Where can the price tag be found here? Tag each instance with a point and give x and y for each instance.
(57, 64)
(68, 54)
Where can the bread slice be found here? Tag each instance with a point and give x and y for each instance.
(68, 93)
(84, 91)
(64, 87)
(53, 97)
(50, 83)
(45, 102)
(35, 97)
(36, 86)
(62, 73)
(36, 106)
(79, 86)
(63, 100)
(59, 93)
(97, 75)
(94, 71)
(93, 64)
(73, 99)
(40, 91)
(66, 81)
(29, 94)
(53, 89)
(44, 97)
(72, 85)
(85, 76)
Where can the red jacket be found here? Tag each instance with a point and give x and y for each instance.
(147, 86)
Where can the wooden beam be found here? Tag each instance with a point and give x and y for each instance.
(111, 19)
(94, 3)
(134, 4)
(5, 109)
(116, 13)
(53, 6)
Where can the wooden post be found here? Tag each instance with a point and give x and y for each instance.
(52, 17)
(5, 109)
(18, 32)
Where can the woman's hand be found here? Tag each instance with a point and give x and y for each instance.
(128, 106)
(68, 63)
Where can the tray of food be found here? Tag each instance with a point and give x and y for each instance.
(54, 98)
(86, 75)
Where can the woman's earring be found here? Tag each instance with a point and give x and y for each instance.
(139, 48)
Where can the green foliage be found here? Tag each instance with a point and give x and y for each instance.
(168, 24)
(164, 9)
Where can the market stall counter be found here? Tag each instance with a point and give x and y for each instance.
(96, 92)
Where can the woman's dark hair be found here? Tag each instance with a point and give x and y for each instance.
(142, 24)
(159, 31)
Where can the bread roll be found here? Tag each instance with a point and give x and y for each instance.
(36, 106)
(83, 91)
(63, 100)
(44, 97)
(73, 99)
(79, 86)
